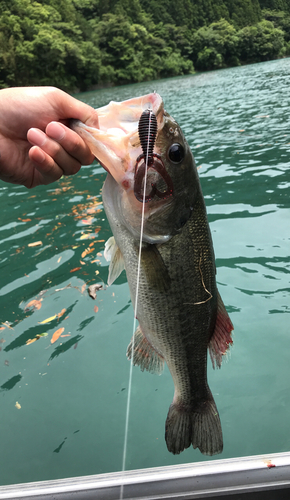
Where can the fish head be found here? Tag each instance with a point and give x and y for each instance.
(143, 148)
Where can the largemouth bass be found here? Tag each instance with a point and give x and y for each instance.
(179, 309)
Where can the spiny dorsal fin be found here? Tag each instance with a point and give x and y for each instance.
(221, 337)
(113, 253)
(144, 354)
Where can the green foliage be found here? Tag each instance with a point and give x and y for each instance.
(244, 12)
(209, 58)
(282, 5)
(220, 44)
(280, 20)
(198, 13)
(136, 53)
(37, 47)
(215, 46)
(261, 42)
(78, 44)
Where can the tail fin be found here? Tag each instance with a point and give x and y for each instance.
(200, 427)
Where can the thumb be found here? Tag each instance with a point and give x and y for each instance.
(69, 107)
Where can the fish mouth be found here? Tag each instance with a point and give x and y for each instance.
(147, 130)
(117, 145)
(145, 194)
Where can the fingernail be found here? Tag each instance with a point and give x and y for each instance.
(36, 137)
(55, 130)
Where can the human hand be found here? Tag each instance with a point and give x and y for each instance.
(36, 144)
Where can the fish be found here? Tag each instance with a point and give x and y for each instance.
(179, 309)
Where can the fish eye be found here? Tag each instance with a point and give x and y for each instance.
(176, 153)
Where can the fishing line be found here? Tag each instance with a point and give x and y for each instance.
(135, 314)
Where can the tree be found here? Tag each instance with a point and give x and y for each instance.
(215, 46)
(282, 5)
(261, 42)
(76, 44)
(136, 53)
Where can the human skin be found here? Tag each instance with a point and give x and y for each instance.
(36, 144)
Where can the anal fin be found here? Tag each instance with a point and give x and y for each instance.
(144, 355)
(221, 338)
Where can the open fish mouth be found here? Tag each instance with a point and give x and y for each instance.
(153, 181)
(125, 145)
(147, 130)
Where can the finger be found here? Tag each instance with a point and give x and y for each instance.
(71, 142)
(69, 107)
(59, 157)
(47, 170)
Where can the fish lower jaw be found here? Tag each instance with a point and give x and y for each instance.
(147, 236)
(156, 239)
(130, 213)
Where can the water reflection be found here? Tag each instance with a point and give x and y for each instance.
(11, 383)
(65, 346)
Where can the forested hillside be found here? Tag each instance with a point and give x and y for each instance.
(77, 44)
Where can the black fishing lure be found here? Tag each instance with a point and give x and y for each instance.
(147, 130)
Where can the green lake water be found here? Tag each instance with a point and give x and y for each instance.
(63, 404)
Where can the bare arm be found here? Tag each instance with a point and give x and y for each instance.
(36, 144)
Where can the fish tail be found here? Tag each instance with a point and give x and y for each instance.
(200, 427)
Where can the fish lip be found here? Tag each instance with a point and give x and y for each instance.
(75, 126)
(151, 101)
(102, 165)
(115, 143)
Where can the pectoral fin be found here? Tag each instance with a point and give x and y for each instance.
(156, 272)
(221, 338)
(144, 355)
(113, 253)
